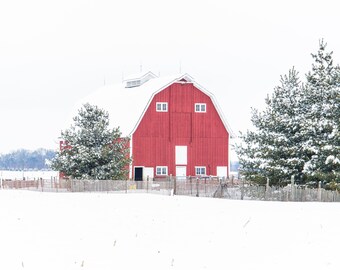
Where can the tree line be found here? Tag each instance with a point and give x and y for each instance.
(27, 160)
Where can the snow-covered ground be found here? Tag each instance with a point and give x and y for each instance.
(28, 175)
(101, 231)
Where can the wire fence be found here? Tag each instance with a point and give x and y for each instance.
(235, 189)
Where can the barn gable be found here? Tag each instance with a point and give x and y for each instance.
(186, 78)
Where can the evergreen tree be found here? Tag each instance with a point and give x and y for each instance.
(272, 149)
(321, 126)
(93, 151)
(298, 132)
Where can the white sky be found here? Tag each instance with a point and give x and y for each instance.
(52, 53)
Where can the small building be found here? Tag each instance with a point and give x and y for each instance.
(175, 125)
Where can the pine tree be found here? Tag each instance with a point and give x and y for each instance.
(321, 127)
(93, 151)
(298, 133)
(272, 150)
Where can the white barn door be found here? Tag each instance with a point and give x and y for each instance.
(181, 172)
(222, 171)
(148, 173)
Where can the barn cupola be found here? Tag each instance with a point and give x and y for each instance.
(138, 79)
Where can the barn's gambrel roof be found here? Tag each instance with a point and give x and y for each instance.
(127, 106)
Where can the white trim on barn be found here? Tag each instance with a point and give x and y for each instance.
(130, 154)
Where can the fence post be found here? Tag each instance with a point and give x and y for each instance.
(242, 187)
(191, 185)
(319, 191)
(220, 187)
(55, 184)
(175, 184)
(292, 188)
(147, 184)
(197, 183)
(267, 190)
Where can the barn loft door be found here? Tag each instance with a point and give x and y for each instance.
(181, 155)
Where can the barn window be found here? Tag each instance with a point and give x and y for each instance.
(200, 170)
(161, 170)
(161, 106)
(200, 107)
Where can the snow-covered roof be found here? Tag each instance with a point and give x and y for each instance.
(126, 106)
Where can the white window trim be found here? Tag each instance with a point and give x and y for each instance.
(200, 167)
(200, 107)
(161, 103)
(162, 168)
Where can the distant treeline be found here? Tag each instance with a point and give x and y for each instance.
(39, 160)
(27, 160)
(234, 166)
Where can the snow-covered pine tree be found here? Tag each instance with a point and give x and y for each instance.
(298, 133)
(272, 150)
(93, 150)
(321, 127)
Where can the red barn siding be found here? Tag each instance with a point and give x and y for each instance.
(158, 133)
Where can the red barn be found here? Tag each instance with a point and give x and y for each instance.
(175, 125)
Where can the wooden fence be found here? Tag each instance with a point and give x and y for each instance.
(199, 187)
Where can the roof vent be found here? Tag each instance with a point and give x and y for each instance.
(138, 79)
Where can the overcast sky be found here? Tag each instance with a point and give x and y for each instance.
(52, 53)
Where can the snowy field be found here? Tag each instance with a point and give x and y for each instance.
(29, 175)
(101, 231)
